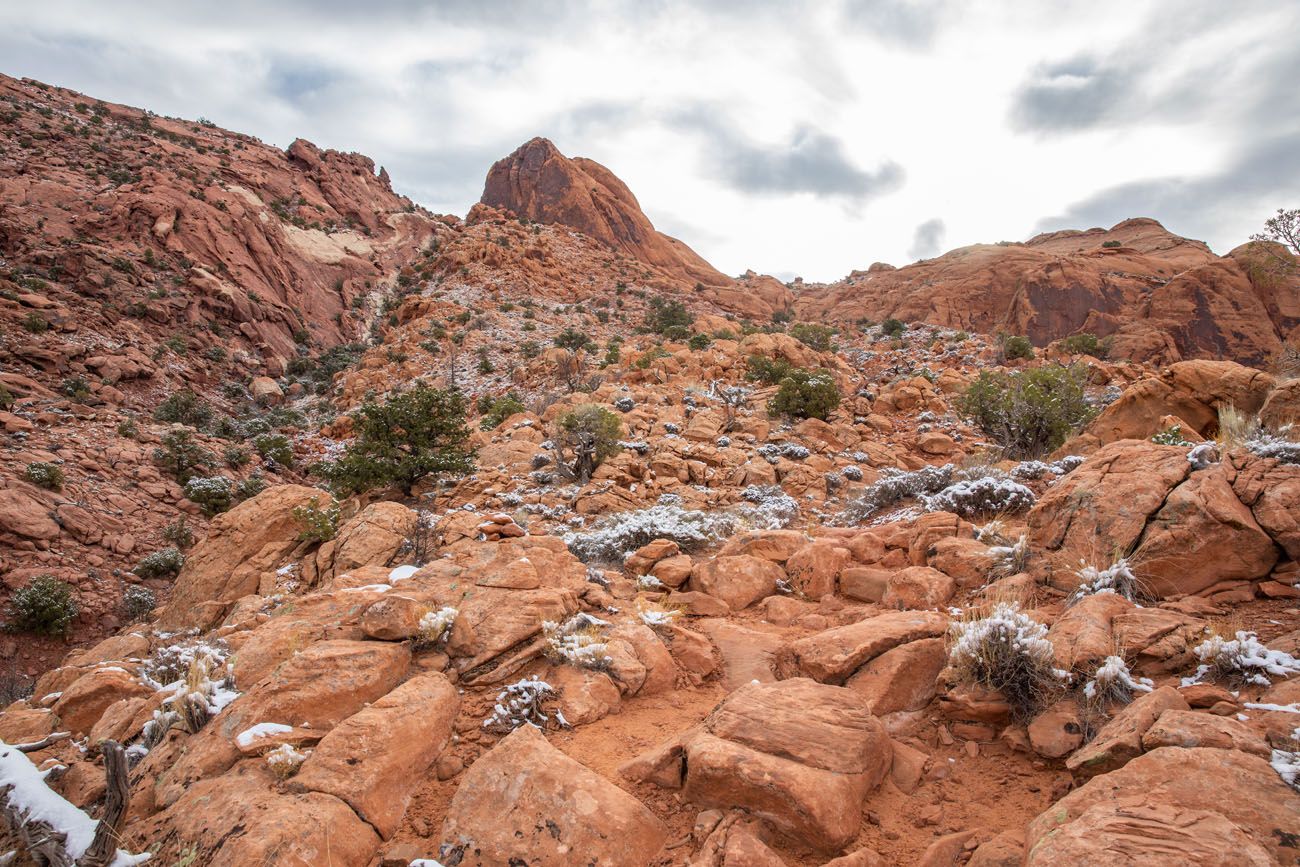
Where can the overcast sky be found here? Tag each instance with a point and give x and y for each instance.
(792, 138)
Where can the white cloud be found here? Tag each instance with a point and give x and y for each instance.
(800, 138)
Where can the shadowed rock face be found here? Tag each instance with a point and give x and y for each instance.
(540, 183)
(1160, 296)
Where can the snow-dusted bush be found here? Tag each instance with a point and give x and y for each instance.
(1287, 762)
(1006, 650)
(1034, 469)
(284, 761)
(649, 582)
(160, 564)
(45, 606)
(170, 663)
(657, 616)
(44, 475)
(579, 641)
(895, 485)
(852, 473)
(771, 452)
(156, 728)
(212, 494)
(523, 703)
(1171, 436)
(1243, 658)
(1113, 682)
(1278, 446)
(615, 537)
(1118, 578)
(1010, 559)
(723, 442)
(672, 427)
(624, 404)
(988, 495)
(641, 447)
(435, 626)
(772, 509)
(137, 603)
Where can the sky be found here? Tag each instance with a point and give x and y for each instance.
(792, 138)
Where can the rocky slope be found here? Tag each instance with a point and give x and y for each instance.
(745, 641)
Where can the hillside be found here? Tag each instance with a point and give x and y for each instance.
(814, 588)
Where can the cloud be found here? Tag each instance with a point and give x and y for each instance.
(927, 240)
(1214, 205)
(912, 23)
(1070, 95)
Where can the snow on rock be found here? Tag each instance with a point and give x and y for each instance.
(402, 573)
(252, 733)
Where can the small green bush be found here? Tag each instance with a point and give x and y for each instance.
(318, 525)
(138, 603)
(35, 323)
(414, 435)
(75, 387)
(497, 410)
(699, 342)
(669, 318)
(160, 564)
(1014, 346)
(585, 437)
(234, 456)
(1030, 412)
(180, 455)
(1171, 436)
(813, 336)
(769, 371)
(213, 494)
(276, 448)
(806, 394)
(250, 487)
(184, 407)
(892, 327)
(178, 533)
(1086, 344)
(44, 475)
(1112, 244)
(573, 339)
(46, 606)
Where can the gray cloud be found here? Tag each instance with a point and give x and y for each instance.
(927, 240)
(913, 24)
(1211, 206)
(1073, 94)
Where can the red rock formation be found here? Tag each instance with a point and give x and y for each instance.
(1162, 297)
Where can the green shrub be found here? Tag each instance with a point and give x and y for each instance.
(178, 533)
(165, 563)
(1017, 347)
(46, 606)
(75, 387)
(43, 475)
(35, 323)
(213, 494)
(250, 487)
(1112, 244)
(276, 448)
(669, 318)
(1086, 344)
(6, 398)
(138, 603)
(585, 437)
(1171, 436)
(128, 428)
(497, 410)
(699, 342)
(184, 407)
(573, 339)
(417, 434)
(892, 327)
(180, 455)
(769, 371)
(234, 456)
(816, 337)
(1030, 412)
(318, 525)
(806, 394)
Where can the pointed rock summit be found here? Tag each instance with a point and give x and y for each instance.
(540, 183)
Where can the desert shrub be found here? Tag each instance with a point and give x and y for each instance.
(35, 323)
(989, 495)
(1243, 659)
(212, 494)
(573, 339)
(668, 317)
(75, 387)
(892, 327)
(276, 448)
(813, 336)
(523, 703)
(497, 410)
(178, 533)
(1116, 578)
(1112, 244)
(1171, 436)
(894, 486)
(1008, 651)
(578, 641)
(184, 407)
(46, 606)
(768, 506)
(180, 455)
(137, 603)
(44, 475)
(806, 394)
(6, 398)
(1086, 344)
(317, 524)
(585, 437)
(769, 371)
(1275, 445)
(417, 434)
(1009, 559)
(234, 456)
(284, 761)
(1113, 683)
(435, 626)
(1030, 412)
(160, 564)
(1015, 346)
(699, 342)
(250, 487)
(615, 537)
(1033, 469)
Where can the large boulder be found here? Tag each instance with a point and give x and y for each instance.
(739, 580)
(373, 536)
(1172, 807)
(525, 802)
(242, 545)
(1120, 740)
(375, 758)
(798, 754)
(833, 655)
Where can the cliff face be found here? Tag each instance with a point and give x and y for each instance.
(1161, 297)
